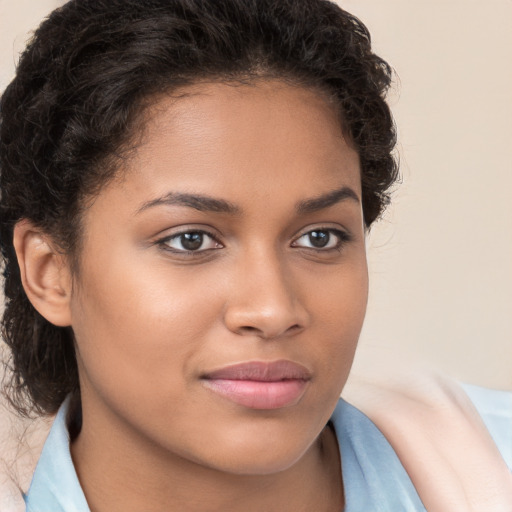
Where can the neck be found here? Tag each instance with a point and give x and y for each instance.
(124, 473)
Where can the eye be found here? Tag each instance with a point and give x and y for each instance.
(190, 241)
(322, 239)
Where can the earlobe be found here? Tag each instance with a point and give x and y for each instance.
(44, 273)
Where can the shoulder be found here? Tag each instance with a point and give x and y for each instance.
(495, 409)
(454, 441)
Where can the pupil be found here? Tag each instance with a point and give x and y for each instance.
(192, 241)
(319, 238)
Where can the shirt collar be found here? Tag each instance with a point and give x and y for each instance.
(55, 484)
(373, 477)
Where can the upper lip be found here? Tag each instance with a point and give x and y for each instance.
(261, 371)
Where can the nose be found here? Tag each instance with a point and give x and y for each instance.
(264, 301)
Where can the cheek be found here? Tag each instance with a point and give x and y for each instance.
(339, 295)
(340, 307)
(138, 327)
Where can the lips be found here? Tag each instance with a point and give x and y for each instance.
(260, 385)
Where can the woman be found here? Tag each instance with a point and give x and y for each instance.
(186, 188)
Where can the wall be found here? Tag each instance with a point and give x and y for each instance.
(441, 261)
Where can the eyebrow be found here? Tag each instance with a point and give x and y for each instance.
(204, 203)
(326, 200)
(196, 201)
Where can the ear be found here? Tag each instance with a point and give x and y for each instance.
(45, 273)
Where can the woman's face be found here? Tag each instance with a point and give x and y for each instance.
(223, 279)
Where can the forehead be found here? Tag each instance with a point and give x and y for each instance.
(226, 139)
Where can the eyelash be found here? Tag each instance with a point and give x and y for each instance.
(164, 242)
(342, 236)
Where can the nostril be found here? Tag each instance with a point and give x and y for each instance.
(266, 316)
(264, 333)
(249, 329)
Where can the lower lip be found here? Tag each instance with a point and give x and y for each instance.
(257, 394)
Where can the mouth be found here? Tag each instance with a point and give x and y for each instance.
(260, 385)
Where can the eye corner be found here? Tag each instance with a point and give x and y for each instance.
(322, 239)
(189, 242)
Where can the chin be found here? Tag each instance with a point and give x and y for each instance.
(267, 463)
(264, 453)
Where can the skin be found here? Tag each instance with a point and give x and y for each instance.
(150, 319)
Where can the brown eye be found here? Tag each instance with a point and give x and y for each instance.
(190, 241)
(319, 239)
(322, 239)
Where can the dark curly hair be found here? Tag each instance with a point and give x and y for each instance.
(74, 107)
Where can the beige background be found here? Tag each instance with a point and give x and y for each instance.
(441, 277)
(441, 262)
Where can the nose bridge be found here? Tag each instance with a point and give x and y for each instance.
(264, 300)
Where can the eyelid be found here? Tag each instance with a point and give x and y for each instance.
(163, 241)
(343, 237)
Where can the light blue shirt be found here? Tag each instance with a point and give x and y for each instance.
(374, 479)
